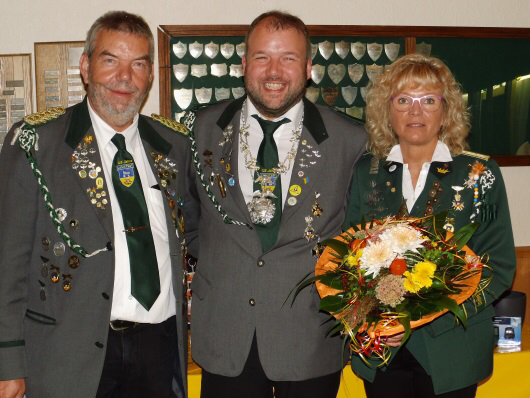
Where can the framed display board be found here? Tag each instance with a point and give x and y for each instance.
(201, 65)
(57, 74)
(15, 90)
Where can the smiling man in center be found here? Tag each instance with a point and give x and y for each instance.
(282, 165)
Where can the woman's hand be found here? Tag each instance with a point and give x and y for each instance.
(394, 340)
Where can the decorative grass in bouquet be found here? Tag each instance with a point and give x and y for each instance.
(394, 275)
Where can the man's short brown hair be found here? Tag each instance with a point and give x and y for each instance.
(278, 20)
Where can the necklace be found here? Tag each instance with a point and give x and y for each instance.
(261, 207)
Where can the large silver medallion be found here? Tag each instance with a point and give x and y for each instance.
(356, 72)
(312, 94)
(317, 73)
(199, 70)
(222, 93)
(374, 50)
(358, 50)
(326, 49)
(261, 207)
(183, 97)
(236, 70)
(392, 51)
(180, 49)
(372, 71)
(203, 95)
(196, 49)
(349, 94)
(181, 71)
(211, 50)
(227, 50)
(342, 48)
(336, 72)
(218, 70)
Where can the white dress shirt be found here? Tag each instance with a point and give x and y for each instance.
(410, 193)
(282, 137)
(124, 305)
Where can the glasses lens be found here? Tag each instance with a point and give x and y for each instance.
(402, 103)
(430, 103)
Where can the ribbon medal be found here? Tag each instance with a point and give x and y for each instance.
(126, 173)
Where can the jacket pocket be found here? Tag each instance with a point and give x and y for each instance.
(41, 318)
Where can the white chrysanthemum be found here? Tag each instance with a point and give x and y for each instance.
(402, 238)
(376, 256)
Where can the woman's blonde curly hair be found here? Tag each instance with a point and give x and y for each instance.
(413, 71)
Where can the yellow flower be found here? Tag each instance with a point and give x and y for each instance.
(420, 277)
(353, 258)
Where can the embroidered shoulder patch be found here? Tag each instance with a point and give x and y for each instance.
(44, 116)
(173, 125)
(476, 155)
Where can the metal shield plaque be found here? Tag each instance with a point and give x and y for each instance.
(236, 70)
(330, 94)
(240, 49)
(317, 73)
(183, 97)
(326, 49)
(355, 111)
(392, 51)
(373, 71)
(238, 92)
(336, 72)
(314, 50)
(203, 95)
(199, 70)
(358, 49)
(423, 49)
(349, 94)
(180, 49)
(342, 48)
(211, 50)
(181, 71)
(196, 49)
(374, 50)
(227, 50)
(218, 70)
(178, 116)
(356, 72)
(222, 93)
(363, 93)
(312, 94)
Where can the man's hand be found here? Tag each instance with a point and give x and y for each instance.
(12, 388)
(394, 340)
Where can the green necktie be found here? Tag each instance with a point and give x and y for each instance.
(267, 160)
(145, 281)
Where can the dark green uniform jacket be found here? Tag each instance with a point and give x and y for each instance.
(454, 357)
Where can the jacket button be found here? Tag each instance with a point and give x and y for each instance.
(261, 263)
(105, 296)
(252, 302)
(99, 344)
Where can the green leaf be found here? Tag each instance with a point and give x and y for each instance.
(340, 247)
(305, 281)
(461, 237)
(439, 221)
(339, 327)
(452, 306)
(332, 279)
(333, 304)
(363, 222)
(405, 321)
(355, 227)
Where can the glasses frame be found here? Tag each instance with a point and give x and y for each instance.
(414, 99)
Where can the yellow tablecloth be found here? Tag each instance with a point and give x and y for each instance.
(511, 377)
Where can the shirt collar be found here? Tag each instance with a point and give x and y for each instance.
(104, 132)
(294, 114)
(441, 154)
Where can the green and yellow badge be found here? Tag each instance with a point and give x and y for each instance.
(125, 171)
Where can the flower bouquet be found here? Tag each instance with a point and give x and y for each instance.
(393, 275)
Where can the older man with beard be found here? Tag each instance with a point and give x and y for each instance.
(91, 293)
(272, 181)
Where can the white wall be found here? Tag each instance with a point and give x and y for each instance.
(23, 22)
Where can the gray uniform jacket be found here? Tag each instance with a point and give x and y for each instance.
(54, 338)
(237, 289)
